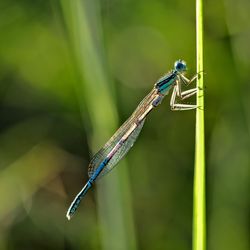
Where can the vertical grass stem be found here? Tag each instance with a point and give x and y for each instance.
(199, 211)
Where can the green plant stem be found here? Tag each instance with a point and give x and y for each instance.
(199, 214)
(94, 92)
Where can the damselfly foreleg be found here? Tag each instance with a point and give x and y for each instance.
(183, 95)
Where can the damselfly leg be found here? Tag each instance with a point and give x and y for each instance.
(177, 92)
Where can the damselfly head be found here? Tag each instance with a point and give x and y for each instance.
(180, 66)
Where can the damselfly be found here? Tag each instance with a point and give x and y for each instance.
(120, 143)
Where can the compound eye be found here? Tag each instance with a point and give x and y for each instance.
(180, 66)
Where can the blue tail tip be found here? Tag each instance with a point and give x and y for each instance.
(69, 215)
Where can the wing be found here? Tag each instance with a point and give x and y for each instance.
(102, 153)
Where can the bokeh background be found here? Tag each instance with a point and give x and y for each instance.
(70, 73)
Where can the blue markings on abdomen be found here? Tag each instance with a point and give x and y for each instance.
(99, 170)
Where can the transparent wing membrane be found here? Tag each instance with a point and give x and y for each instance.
(99, 157)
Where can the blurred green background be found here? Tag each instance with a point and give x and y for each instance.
(70, 73)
